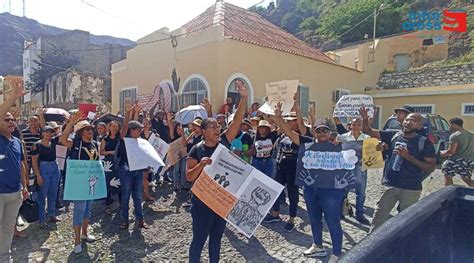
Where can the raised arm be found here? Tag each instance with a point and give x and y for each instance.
(18, 92)
(366, 124)
(42, 120)
(299, 116)
(234, 127)
(129, 111)
(207, 105)
(152, 110)
(294, 137)
(64, 138)
(169, 122)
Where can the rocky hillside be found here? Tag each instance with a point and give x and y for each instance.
(14, 30)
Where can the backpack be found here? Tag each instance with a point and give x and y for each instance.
(421, 147)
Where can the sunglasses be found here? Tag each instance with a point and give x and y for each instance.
(9, 120)
(322, 131)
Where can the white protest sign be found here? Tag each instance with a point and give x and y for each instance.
(349, 105)
(141, 155)
(160, 146)
(91, 115)
(236, 191)
(281, 91)
(61, 152)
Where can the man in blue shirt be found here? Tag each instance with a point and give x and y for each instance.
(12, 175)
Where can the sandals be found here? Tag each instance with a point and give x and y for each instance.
(141, 224)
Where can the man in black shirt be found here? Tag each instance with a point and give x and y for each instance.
(158, 124)
(418, 156)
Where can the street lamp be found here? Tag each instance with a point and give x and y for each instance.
(376, 13)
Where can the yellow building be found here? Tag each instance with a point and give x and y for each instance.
(221, 45)
(447, 91)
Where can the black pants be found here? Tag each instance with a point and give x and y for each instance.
(285, 175)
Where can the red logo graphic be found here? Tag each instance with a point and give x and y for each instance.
(456, 21)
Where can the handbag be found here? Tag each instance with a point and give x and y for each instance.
(29, 210)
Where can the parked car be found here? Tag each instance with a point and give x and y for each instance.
(435, 128)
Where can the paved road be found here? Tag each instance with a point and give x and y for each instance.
(170, 233)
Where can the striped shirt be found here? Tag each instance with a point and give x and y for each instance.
(30, 139)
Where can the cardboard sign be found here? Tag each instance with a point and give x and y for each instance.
(325, 165)
(236, 191)
(282, 91)
(371, 158)
(85, 180)
(177, 150)
(141, 155)
(349, 105)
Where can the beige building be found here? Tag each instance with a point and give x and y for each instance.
(391, 76)
(221, 45)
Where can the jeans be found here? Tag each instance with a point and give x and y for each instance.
(179, 174)
(360, 186)
(285, 175)
(82, 210)
(110, 189)
(9, 206)
(51, 177)
(206, 223)
(327, 201)
(132, 184)
(263, 165)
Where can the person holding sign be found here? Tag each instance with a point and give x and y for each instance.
(43, 159)
(324, 197)
(206, 223)
(263, 147)
(131, 181)
(353, 140)
(83, 147)
(146, 134)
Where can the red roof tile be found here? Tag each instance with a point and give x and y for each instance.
(247, 26)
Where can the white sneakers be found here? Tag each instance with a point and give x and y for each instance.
(333, 259)
(315, 251)
(20, 221)
(88, 238)
(78, 249)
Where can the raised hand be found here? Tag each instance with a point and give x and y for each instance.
(76, 117)
(278, 110)
(312, 111)
(206, 104)
(241, 88)
(169, 117)
(18, 91)
(364, 113)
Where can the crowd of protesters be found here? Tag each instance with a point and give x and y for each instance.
(269, 143)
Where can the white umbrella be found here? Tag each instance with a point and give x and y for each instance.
(188, 114)
(55, 114)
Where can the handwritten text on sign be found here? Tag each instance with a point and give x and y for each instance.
(85, 180)
(349, 105)
(279, 92)
(329, 160)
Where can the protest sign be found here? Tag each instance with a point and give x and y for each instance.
(85, 108)
(177, 150)
(236, 191)
(85, 180)
(282, 91)
(61, 152)
(372, 159)
(141, 155)
(160, 146)
(349, 105)
(325, 165)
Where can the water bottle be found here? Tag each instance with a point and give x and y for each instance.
(397, 159)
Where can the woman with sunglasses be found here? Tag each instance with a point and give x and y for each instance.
(131, 181)
(319, 201)
(43, 157)
(206, 223)
(82, 147)
(107, 149)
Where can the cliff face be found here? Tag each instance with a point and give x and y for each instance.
(14, 30)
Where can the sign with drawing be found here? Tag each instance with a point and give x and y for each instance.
(236, 191)
(85, 180)
(349, 105)
(160, 146)
(371, 158)
(325, 165)
(281, 91)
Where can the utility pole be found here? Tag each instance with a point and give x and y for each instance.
(376, 13)
(24, 9)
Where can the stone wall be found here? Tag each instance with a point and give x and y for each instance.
(441, 76)
(68, 88)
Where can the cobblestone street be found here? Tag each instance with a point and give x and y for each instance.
(170, 233)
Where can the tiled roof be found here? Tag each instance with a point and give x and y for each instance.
(243, 25)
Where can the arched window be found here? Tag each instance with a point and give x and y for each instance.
(194, 91)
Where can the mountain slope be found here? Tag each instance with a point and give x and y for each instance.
(14, 30)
